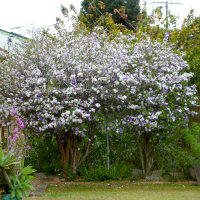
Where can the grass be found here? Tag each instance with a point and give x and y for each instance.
(121, 191)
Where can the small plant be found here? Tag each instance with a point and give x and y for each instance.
(21, 183)
(6, 162)
(194, 161)
(44, 154)
(116, 172)
(16, 177)
(70, 175)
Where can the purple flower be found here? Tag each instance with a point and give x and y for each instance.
(28, 147)
(173, 118)
(60, 124)
(16, 130)
(13, 112)
(20, 123)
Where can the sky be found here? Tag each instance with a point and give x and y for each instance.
(22, 15)
(181, 9)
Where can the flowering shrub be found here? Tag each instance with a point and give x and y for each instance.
(16, 144)
(67, 82)
(12, 169)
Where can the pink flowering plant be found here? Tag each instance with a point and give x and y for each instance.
(11, 160)
(15, 143)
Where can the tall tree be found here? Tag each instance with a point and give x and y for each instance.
(123, 11)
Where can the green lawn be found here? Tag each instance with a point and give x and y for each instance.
(121, 191)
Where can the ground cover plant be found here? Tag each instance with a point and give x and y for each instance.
(121, 191)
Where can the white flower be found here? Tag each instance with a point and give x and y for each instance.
(133, 107)
(97, 105)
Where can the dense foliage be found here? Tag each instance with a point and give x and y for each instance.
(123, 12)
(71, 83)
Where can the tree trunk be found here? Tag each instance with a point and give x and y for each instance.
(141, 154)
(63, 153)
(149, 163)
(150, 151)
(146, 151)
(108, 146)
(6, 177)
(148, 158)
(71, 154)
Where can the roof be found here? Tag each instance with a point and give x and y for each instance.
(15, 35)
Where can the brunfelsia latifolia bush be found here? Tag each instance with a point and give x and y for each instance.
(64, 84)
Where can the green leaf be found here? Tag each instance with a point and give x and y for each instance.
(6, 160)
(19, 194)
(27, 170)
(13, 194)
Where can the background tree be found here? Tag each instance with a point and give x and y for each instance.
(122, 11)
